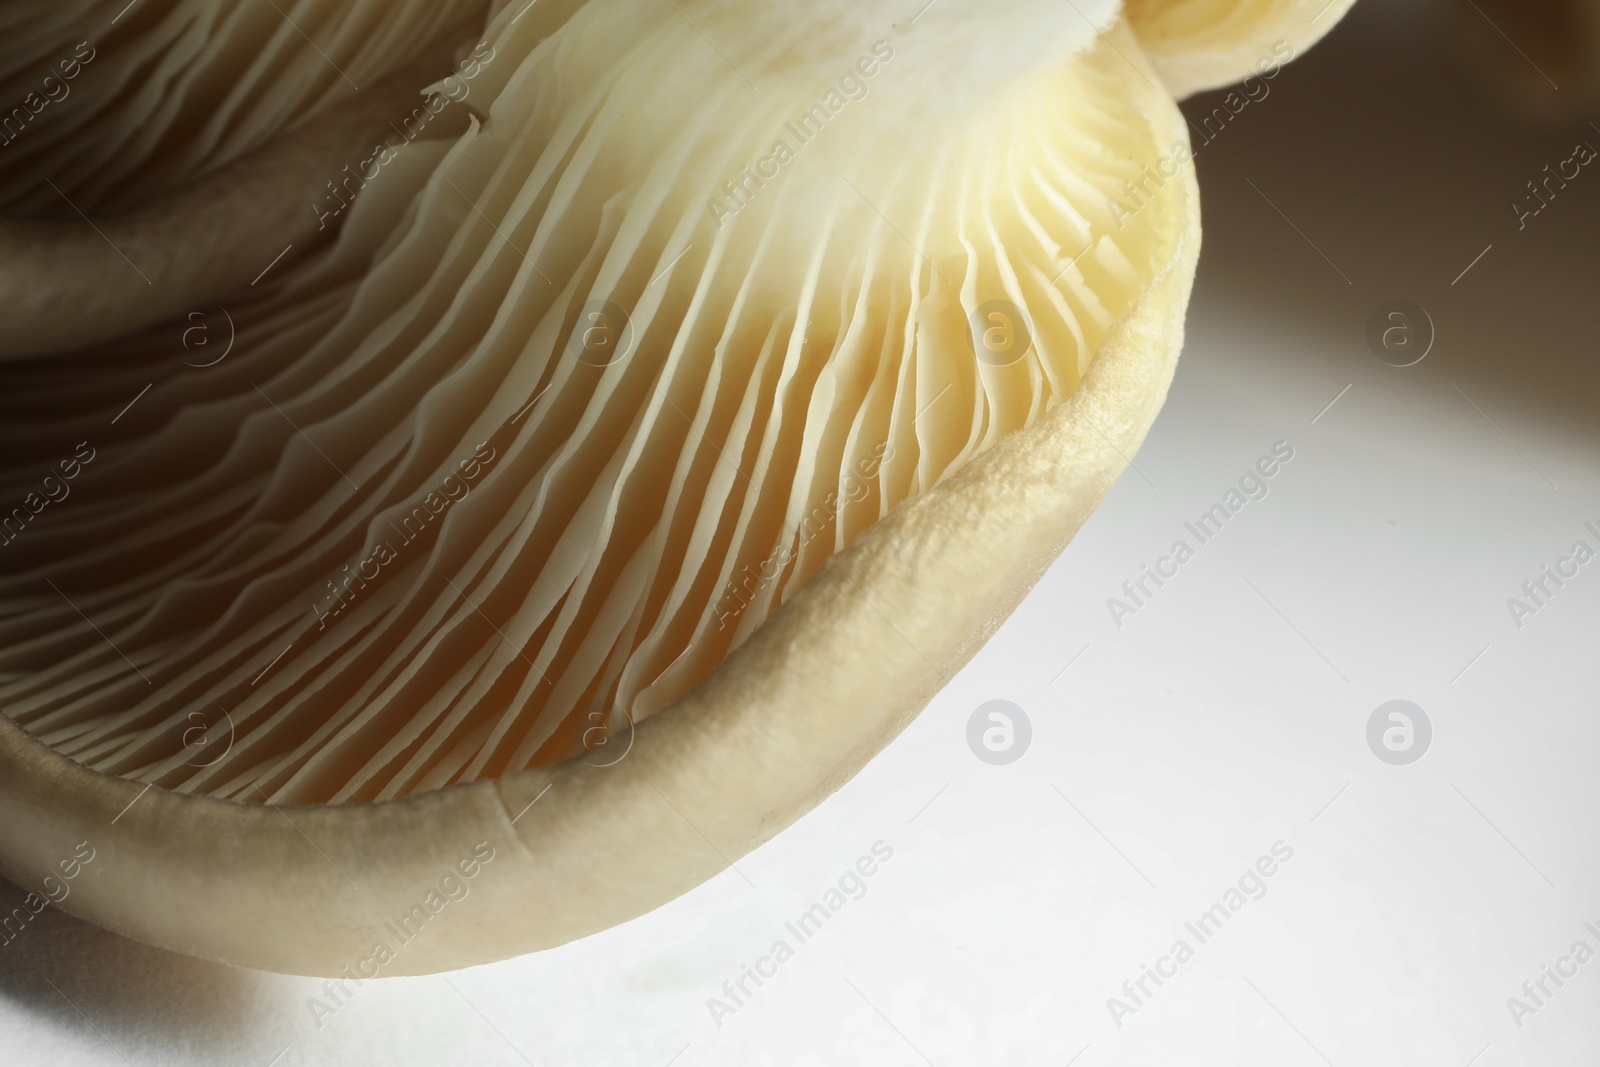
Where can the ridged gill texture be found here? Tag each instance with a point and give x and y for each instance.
(113, 102)
(579, 397)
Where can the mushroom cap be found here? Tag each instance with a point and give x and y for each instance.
(792, 319)
(1205, 44)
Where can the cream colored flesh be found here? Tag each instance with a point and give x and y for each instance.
(1205, 44)
(594, 556)
(829, 680)
(734, 743)
(126, 104)
(72, 283)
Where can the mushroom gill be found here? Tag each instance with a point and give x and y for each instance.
(488, 511)
(718, 369)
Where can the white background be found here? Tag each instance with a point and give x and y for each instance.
(1223, 717)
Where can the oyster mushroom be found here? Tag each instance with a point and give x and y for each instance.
(1206, 44)
(630, 468)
